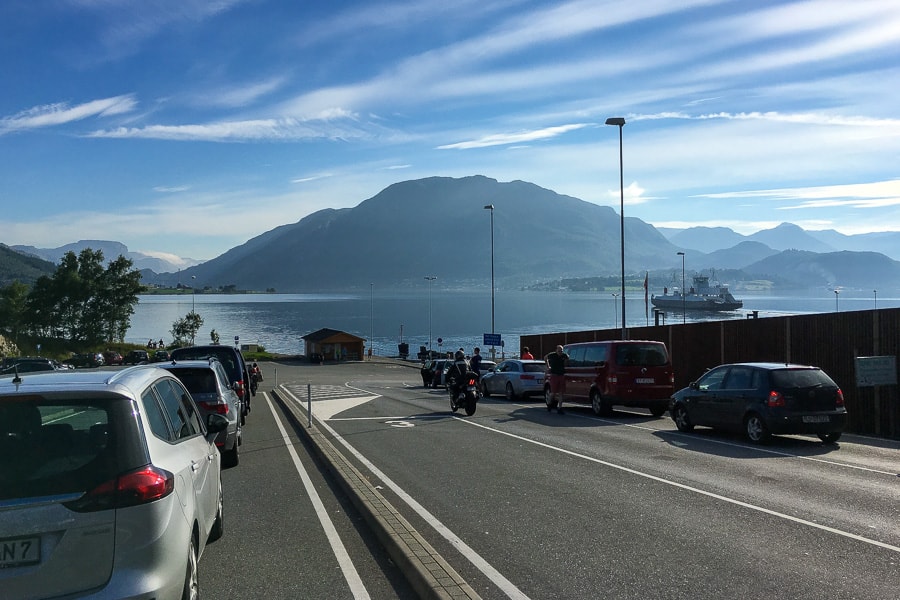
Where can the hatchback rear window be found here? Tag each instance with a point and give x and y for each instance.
(197, 381)
(534, 367)
(63, 446)
(801, 378)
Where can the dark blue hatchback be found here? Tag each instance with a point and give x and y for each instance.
(762, 399)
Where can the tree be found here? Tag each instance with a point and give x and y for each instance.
(185, 329)
(83, 301)
(12, 308)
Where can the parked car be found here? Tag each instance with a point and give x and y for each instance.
(161, 356)
(429, 368)
(88, 360)
(136, 357)
(633, 373)
(111, 485)
(111, 357)
(762, 399)
(27, 364)
(486, 366)
(233, 361)
(515, 378)
(207, 382)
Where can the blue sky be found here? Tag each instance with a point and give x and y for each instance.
(187, 127)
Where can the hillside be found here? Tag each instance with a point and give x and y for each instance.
(16, 266)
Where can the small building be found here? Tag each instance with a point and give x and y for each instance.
(333, 345)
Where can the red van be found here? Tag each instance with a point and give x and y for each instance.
(634, 373)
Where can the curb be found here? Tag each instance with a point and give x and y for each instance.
(425, 570)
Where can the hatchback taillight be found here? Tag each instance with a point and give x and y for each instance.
(526, 377)
(839, 399)
(140, 486)
(775, 399)
(220, 408)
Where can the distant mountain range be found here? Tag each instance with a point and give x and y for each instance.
(439, 226)
(159, 263)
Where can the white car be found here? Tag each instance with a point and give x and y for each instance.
(110, 485)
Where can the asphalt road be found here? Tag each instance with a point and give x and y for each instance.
(529, 504)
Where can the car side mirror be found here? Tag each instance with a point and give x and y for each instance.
(694, 385)
(216, 423)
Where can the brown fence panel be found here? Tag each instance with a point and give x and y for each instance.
(831, 341)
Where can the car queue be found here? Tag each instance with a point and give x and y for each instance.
(90, 465)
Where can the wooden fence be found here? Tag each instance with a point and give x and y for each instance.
(831, 341)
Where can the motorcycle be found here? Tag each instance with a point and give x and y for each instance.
(464, 395)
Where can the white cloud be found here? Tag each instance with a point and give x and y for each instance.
(61, 113)
(500, 139)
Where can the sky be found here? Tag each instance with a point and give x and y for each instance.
(184, 128)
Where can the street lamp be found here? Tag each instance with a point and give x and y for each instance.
(193, 304)
(490, 207)
(620, 123)
(371, 317)
(430, 279)
(681, 254)
(876, 298)
(836, 292)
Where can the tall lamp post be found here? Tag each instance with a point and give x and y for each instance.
(836, 293)
(620, 123)
(681, 254)
(430, 279)
(193, 302)
(371, 317)
(876, 298)
(490, 207)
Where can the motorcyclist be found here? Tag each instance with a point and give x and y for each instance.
(456, 374)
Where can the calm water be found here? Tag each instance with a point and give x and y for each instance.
(459, 318)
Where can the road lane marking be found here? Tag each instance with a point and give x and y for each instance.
(683, 486)
(329, 400)
(505, 585)
(340, 552)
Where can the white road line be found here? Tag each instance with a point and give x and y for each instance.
(505, 585)
(688, 436)
(767, 511)
(340, 552)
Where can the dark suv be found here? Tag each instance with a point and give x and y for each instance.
(762, 399)
(231, 359)
(26, 364)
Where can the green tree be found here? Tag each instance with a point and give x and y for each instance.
(83, 301)
(12, 308)
(185, 329)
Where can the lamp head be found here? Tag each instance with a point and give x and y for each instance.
(488, 207)
(620, 121)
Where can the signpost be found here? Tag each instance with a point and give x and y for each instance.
(492, 339)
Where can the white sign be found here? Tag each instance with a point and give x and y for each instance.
(876, 370)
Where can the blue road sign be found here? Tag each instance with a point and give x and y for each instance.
(492, 339)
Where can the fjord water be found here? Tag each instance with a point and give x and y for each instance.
(458, 318)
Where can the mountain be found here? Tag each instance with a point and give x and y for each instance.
(784, 237)
(845, 269)
(16, 266)
(738, 256)
(158, 262)
(439, 226)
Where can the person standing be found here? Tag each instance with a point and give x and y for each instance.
(556, 363)
(475, 361)
(526, 354)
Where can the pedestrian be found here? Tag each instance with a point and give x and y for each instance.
(556, 362)
(526, 354)
(475, 361)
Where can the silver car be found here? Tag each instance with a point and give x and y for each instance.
(110, 485)
(515, 378)
(207, 382)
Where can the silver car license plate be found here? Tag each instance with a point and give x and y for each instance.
(15, 552)
(644, 380)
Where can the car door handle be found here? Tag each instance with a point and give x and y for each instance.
(195, 466)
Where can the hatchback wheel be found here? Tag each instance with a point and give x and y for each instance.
(830, 438)
(682, 421)
(191, 589)
(755, 429)
(510, 392)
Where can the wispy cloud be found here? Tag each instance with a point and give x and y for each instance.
(877, 194)
(501, 139)
(171, 190)
(240, 95)
(61, 113)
